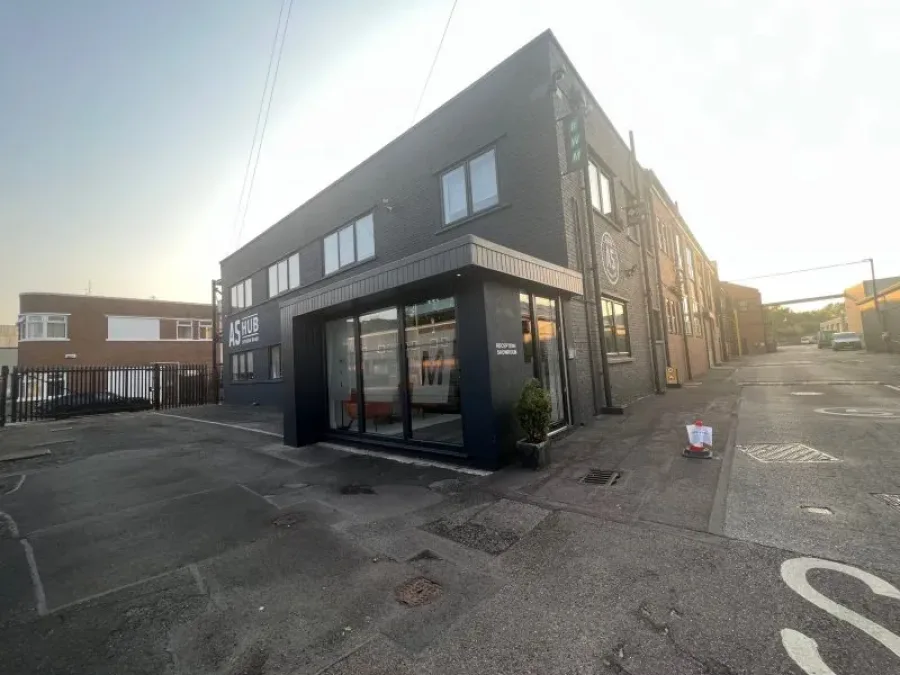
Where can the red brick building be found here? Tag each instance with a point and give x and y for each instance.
(689, 281)
(57, 329)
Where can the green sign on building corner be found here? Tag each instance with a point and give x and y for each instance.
(576, 147)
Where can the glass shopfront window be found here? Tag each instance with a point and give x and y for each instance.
(433, 368)
(409, 379)
(340, 366)
(378, 334)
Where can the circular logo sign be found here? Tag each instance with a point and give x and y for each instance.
(878, 413)
(609, 255)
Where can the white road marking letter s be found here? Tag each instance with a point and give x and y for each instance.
(804, 650)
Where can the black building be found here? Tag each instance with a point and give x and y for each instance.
(407, 303)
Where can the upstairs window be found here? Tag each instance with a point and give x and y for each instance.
(44, 327)
(470, 187)
(284, 275)
(351, 244)
(184, 330)
(601, 190)
(205, 331)
(242, 294)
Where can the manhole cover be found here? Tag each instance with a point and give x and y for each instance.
(604, 477)
(354, 489)
(879, 413)
(817, 510)
(789, 453)
(417, 592)
(288, 520)
(891, 500)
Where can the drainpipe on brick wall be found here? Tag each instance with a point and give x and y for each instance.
(587, 314)
(654, 238)
(643, 194)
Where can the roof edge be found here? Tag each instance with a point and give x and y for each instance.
(541, 36)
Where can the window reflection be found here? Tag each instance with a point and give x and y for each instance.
(431, 355)
(378, 333)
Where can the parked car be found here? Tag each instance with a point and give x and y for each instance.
(824, 338)
(842, 341)
(70, 404)
(807, 340)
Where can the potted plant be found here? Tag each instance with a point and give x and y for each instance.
(534, 411)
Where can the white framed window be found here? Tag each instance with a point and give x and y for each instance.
(204, 330)
(275, 362)
(242, 294)
(351, 244)
(601, 189)
(44, 327)
(284, 275)
(184, 330)
(470, 187)
(242, 366)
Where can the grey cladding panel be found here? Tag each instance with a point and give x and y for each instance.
(456, 254)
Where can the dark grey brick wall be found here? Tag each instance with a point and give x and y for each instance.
(510, 108)
(630, 378)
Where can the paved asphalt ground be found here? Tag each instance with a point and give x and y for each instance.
(158, 544)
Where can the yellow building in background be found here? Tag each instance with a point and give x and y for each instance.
(860, 297)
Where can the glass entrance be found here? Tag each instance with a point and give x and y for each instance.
(407, 383)
(543, 351)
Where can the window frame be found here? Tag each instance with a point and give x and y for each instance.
(204, 324)
(612, 303)
(43, 319)
(466, 166)
(597, 194)
(274, 274)
(241, 296)
(335, 235)
(242, 366)
(273, 349)
(182, 323)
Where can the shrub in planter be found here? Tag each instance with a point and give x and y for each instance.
(534, 411)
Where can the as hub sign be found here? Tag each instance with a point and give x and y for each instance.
(243, 331)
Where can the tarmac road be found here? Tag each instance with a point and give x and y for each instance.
(165, 545)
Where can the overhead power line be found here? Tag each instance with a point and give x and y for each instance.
(811, 269)
(433, 63)
(262, 120)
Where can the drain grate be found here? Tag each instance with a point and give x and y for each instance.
(602, 477)
(891, 500)
(785, 453)
(417, 592)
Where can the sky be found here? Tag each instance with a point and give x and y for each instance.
(125, 127)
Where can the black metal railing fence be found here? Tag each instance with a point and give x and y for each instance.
(38, 393)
